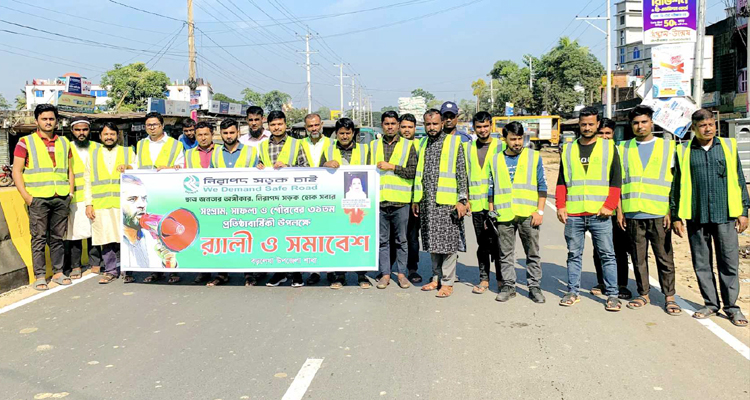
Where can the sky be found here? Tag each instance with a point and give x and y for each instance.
(391, 46)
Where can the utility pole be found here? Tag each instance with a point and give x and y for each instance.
(359, 106)
(492, 94)
(531, 73)
(354, 112)
(191, 41)
(608, 33)
(341, 85)
(698, 64)
(369, 103)
(307, 65)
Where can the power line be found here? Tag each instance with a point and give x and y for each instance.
(50, 60)
(146, 11)
(166, 47)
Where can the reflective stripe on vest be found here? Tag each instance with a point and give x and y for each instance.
(521, 197)
(167, 155)
(247, 158)
(42, 178)
(479, 175)
(79, 168)
(393, 187)
(288, 153)
(306, 143)
(447, 188)
(734, 192)
(105, 184)
(646, 189)
(587, 189)
(193, 158)
(359, 157)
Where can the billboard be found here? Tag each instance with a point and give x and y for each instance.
(669, 21)
(77, 103)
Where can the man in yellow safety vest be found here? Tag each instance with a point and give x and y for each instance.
(158, 151)
(441, 200)
(709, 191)
(315, 144)
(646, 182)
(518, 196)
(102, 189)
(44, 177)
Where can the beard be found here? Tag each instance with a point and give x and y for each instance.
(256, 134)
(131, 221)
(84, 144)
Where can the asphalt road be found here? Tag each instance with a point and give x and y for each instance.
(183, 341)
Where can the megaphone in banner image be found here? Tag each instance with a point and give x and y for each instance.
(176, 230)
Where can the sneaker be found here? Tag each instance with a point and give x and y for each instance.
(414, 277)
(506, 293)
(297, 280)
(277, 279)
(536, 294)
(313, 279)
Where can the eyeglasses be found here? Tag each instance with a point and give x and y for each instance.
(153, 125)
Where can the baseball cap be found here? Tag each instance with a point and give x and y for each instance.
(449, 106)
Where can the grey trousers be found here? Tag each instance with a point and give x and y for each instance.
(530, 239)
(396, 218)
(726, 243)
(444, 268)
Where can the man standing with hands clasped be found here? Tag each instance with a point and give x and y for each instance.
(588, 191)
(646, 182)
(709, 192)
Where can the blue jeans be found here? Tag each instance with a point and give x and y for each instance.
(601, 235)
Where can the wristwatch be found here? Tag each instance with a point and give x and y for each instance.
(540, 212)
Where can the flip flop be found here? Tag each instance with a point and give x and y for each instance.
(41, 284)
(75, 273)
(613, 304)
(60, 280)
(481, 288)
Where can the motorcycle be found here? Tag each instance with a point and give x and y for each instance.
(6, 177)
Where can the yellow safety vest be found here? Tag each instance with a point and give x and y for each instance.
(479, 175)
(734, 192)
(166, 158)
(306, 143)
(41, 178)
(79, 168)
(447, 187)
(393, 188)
(248, 157)
(646, 189)
(105, 184)
(519, 198)
(193, 158)
(360, 154)
(288, 154)
(587, 189)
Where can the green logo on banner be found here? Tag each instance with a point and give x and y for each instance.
(191, 184)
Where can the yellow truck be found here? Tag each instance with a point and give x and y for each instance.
(539, 129)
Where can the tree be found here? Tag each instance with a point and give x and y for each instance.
(133, 84)
(466, 110)
(4, 105)
(434, 103)
(252, 97)
(324, 112)
(389, 108)
(21, 101)
(571, 73)
(421, 92)
(275, 100)
(511, 84)
(223, 97)
(295, 115)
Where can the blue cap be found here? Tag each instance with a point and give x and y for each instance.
(449, 106)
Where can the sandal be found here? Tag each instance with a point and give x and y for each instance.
(672, 308)
(41, 284)
(624, 293)
(173, 278)
(219, 280)
(250, 281)
(430, 286)
(75, 273)
(128, 279)
(107, 278)
(336, 285)
(738, 319)
(613, 304)
(202, 278)
(569, 299)
(481, 288)
(444, 292)
(154, 277)
(62, 280)
(96, 270)
(704, 313)
(638, 302)
(597, 290)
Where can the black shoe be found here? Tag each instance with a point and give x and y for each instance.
(506, 293)
(297, 280)
(536, 294)
(277, 279)
(331, 277)
(414, 277)
(313, 279)
(624, 293)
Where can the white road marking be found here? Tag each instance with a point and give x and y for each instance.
(727, 337)
(303, 379)
(44, 294)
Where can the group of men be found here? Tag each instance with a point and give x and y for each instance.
(625, 195)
